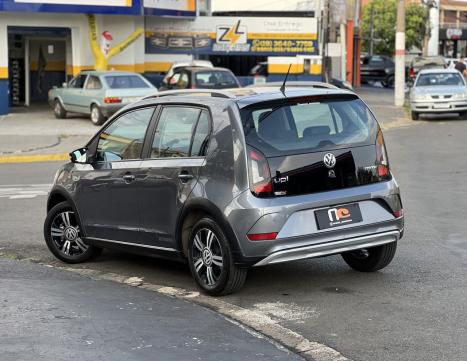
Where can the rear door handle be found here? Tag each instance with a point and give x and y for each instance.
(128, 178)
(184, 176)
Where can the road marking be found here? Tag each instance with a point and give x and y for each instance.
(24, 191)
(34, 158)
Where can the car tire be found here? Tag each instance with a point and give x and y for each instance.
(211, 261)
(97, 118)
(59, 110)
(415, 116)
(62, 233)
(389, 82)
(371, 259)
(463, 115)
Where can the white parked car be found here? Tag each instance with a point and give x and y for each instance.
(438, 91)
(184, 64)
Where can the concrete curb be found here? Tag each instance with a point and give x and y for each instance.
(255, 320)
(34, 158)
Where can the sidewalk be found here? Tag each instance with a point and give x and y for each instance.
(47, 314)
(34, 133)
(381, 102)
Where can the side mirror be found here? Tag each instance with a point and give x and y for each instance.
(79, 156)
(64, 85)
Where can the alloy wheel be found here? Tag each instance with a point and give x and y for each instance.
(57, 108)
(66, 236)
(95, 115)
(208, 259)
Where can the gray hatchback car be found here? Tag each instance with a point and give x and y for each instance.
(227, 180)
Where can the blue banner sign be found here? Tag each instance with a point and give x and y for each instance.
(233, 36)
(122, 7)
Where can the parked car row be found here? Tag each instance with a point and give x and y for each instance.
(101, 94)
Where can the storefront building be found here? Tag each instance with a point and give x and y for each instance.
(453, 28)
(45, 43)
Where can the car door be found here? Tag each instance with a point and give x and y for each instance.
(92, 93)
(72, 95)
(107, 190)
(170, 171)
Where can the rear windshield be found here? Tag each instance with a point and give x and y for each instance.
(440, 79)
(215, 79)
(125, 82)
(309, 126)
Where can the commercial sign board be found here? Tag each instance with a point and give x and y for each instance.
(123, 7)
(171, 8)
(219, 35)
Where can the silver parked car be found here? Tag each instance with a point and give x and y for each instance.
(99, 94)
(438, 91)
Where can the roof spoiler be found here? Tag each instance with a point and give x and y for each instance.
(212, 93)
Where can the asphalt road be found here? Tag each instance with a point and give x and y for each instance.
(413, 310)
(47, 314)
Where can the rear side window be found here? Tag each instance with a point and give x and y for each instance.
(181, 132)
(93, 83)
(125, 82)
(309, 126)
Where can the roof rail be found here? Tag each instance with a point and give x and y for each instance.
(213, 93)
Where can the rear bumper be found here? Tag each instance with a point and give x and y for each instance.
(110, 109)
(329, 248)
(298, 235)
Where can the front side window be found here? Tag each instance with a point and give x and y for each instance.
(440, 79)
(124, 138)
(78, 82)
(175, 129)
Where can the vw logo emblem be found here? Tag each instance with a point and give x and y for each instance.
(329, 160)
(207, 257)
(71, 234)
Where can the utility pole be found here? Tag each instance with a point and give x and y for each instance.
(433, 15)
(325, 32)
(357, 46)
(399, 87)
(372, 27)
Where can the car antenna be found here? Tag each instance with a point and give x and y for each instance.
(282, 89)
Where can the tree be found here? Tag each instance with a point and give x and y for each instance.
(384, 26)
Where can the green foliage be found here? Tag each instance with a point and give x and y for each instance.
(384, 26)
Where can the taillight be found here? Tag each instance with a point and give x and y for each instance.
(112, 100)
(399, 213)
(260, 175)
(412, 72)
(262, 236)
(382, 163)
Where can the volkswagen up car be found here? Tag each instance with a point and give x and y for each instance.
(227, 180)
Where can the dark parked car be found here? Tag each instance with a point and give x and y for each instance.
(424, 62)
(377, 68)
(241, 178)
(201, 78)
